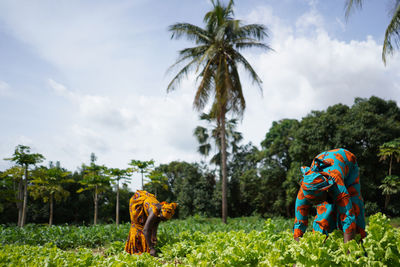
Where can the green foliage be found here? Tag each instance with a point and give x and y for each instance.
(94, 178)
(48, 182)
(23, 156)
(199, 241)
(64, 236)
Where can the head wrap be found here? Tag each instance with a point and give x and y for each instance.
(315, 181)
(168, 209)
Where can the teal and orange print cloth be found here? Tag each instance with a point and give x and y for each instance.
(332, 181)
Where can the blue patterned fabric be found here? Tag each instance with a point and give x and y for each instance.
(334, 173)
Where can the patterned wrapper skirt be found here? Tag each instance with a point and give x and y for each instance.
(136, 242)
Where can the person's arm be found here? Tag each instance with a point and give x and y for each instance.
(148, 229)
(154, 233)
(345, 209)
(302, 208)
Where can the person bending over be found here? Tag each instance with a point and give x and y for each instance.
(332, 183)
(146, 212)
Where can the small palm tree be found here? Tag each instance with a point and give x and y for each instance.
(96, 180)
(390, 186)
(157, 180)
(391, 183)
(118, 175)
(23, 157)
(216, 58)
(144, 167)
(48, 185)
(392, 33)
(203, 136)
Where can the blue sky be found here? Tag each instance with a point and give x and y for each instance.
(90, 76)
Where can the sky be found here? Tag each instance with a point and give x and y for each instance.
(78, 77)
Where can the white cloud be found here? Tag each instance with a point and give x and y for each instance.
(5, 89)
(313, 71)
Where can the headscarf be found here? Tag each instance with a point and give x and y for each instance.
(168, 209)
(315, 181)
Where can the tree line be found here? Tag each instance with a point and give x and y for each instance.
(263, 179)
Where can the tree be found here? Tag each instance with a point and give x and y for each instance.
(276, 160)
(362, 129)
(117, 175)
(218, 56)
(392, 33)
(142, 167)
(23, 157)
(9, 181)
(158, 181)
(203, 136)
(391, 183)
(48, 185)
(94, 178)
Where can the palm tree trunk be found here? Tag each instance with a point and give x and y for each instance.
(142, 178)
(23, 217)
(387, 201)
(117, 207)
(95, 206)
(20, 198)
(51, 210)
(390, 165)
(224, 174)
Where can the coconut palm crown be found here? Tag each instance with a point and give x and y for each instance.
(215, 60)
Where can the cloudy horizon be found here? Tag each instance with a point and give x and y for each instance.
(82, 77)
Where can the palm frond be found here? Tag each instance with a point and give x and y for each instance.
(201, 134)
(392, 34)
(255, 79)
(257, 31)
(243, 45)
(181, 74)
(190, 31)
(204, 149)
(205, 87)
(238, 104)
(350, 5)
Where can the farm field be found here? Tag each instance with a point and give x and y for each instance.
(198, 241)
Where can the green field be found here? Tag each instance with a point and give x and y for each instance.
(199, 241)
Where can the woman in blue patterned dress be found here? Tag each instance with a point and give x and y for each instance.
(332, 183)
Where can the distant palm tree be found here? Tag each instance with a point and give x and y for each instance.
(116, 175)
(48, 186)
(391, 183)
(216, 58)
(392, 34)
(204, 136)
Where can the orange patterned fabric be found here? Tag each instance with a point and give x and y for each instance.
(139, 205)
(168, 209)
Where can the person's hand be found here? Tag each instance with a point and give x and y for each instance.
(154, 240)
(153, 252)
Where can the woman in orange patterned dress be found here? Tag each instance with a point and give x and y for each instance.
(146, 212)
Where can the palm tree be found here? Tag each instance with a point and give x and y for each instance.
(392, 33)
(48, 185)
(22, 156)
(203, 136)
(391, 183)
(118, 174)
(94, 179)
(157, 180)
(142, 167)
(217, 54)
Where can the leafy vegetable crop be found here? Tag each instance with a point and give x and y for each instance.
(205, 242)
